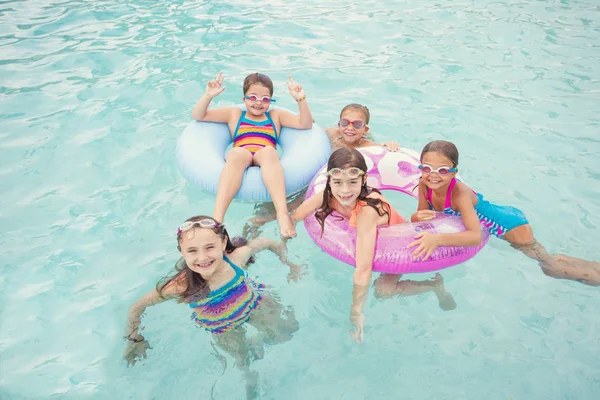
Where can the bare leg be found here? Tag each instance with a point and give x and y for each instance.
(237, 161)
(557, 266)
(561, 266)
(265, 212)
(267, 319)
(388, 285)
(274, 179)
(244, 351)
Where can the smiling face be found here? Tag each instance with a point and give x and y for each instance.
(202, 250)
(434, 180)
(257, 108)
(346, 187)
(350, 134)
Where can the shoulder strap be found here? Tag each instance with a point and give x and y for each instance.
(242, 117)
(428, 196)
(271, 121)
(449, 194)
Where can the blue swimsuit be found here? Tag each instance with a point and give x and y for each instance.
(497, 219)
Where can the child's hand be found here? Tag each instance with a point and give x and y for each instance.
(135, 351)
(424, 215)
(213, 88)
(358, 320)
(392, 146)
(426, 244)
(295, 89)
(296, 272)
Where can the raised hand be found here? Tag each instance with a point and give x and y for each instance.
(214, 88)
(295, 89)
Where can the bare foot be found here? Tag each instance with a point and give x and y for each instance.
(445, 299)
(286, 228)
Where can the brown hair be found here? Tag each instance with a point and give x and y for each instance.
(448, 149)
(357, 107)
(258, 79)
(195, 285)
(347, 158)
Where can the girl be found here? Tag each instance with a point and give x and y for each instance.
(351, 132)
(346, 192)
(352, 129)
(254, 133)
(440, 191)
(209, 277)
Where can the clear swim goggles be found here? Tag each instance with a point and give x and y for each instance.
(203, 223)
(443, 171)
(351, 172)
(254, 98)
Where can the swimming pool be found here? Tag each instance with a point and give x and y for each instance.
(95, 94)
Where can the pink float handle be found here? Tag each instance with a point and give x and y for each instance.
(390, 171)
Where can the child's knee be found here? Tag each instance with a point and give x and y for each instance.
(268, 154)
(238, 155)
(520, 236)
(384, 289)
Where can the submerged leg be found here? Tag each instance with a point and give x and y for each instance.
(561, 266)
(388, 285)
(244, 351)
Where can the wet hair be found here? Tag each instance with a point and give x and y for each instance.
(347, 158)
(357, 107)
(448, 149)
(258, 79)
(195, 285)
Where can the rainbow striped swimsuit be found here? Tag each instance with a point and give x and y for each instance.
(229, 306)
(253, 136)
(497, 219)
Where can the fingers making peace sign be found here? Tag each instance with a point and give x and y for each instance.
(214, 88)
(295, 89)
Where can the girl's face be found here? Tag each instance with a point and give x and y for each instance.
(350, 133)
(346, 185)
(202, 250)
(263, 99)
(435, 161)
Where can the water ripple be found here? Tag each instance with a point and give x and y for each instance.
(94, 94)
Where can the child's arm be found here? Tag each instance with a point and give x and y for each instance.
(423, 212)
(366, 235)
(201, 111)
(426, 242)
(149, 299)
(308, 206)
(136, 343)
(302, 121)
(242, 254)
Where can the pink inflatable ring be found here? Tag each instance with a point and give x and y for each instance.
(389, 171)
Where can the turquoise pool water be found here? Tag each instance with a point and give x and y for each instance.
(94, 95)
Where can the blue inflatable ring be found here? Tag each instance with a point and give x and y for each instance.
(201, 152)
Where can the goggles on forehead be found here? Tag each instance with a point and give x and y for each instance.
(265, 99)
(351, 172)
(428, 169)
(203, 223)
